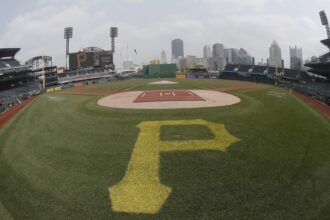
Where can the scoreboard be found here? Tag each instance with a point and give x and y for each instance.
(90, 59)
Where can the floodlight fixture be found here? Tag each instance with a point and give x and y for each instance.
(113, 32)
(324, 18)
(325, 22)
(68, 32)
(113, 35)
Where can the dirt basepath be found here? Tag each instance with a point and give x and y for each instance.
(238, 87)
(82, 91)
(317, 105)
(6, 116)
(90, 92)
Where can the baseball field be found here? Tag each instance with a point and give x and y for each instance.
(64, 156)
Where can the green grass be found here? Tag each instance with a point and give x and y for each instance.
(136, 85)
(185, 132)
(59, 156)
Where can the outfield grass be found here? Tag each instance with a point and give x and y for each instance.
(59, 156)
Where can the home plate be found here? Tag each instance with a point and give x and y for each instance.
(168, 99)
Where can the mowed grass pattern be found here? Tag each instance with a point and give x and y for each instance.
(59, 156)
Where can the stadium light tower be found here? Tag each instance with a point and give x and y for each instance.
(113, 35)
(325, 22)
(68, 31)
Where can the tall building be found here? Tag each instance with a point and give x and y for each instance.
(177, 48)
(275, 56)
(206, 52)
(244, 58)
(218, 51)
(163, 58)
(296, 58)
(218, 61)
(191, 61)
(231, 55)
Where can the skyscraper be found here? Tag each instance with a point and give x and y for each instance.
(244, 58)
(296, 58)
(177, 48)
(275, 56)
(218, 51)
(231, 55)
(163, 59)
(206, 52)
(218, 60)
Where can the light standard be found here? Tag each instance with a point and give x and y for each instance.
(68, 32)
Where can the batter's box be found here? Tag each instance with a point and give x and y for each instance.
(161, 96)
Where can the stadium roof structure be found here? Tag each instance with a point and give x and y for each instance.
(326, 42)
(322, 65)
(8, 52)
(46, 58)
(91, 49)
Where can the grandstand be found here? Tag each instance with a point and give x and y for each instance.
(321, 66)
(16, 81)
(245, 69)
(99, 74)
(89, 64)
(257, 73)
(298, 80)
(43, 65)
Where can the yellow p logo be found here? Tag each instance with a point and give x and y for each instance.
(141, 191)
(81, 58)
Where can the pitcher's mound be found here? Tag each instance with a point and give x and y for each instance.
(163, 82)
(169, 99)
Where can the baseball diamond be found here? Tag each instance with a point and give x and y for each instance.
(193, 149)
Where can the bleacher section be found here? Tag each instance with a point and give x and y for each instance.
(260, 70)
(290, 74)
(85, 75)
(42, 66)
(319, 91)
(247, 73)
(231, 68)
(288, 78)
(16, 80)
(245, 68)
(12, 97)
(273, 70)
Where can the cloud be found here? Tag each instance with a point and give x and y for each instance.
(135, 1)
(149, 27)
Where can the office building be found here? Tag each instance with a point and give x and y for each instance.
(296, 58)
(163, 58)
(177, 49)
(275, 56)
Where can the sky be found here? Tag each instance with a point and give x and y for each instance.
(148, 26)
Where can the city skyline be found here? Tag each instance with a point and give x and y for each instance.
(37, 26)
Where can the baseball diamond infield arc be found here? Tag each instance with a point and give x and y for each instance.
(169, 99)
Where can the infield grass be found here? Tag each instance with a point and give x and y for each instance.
(59, 156)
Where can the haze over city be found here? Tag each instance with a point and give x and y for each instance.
(149, 26)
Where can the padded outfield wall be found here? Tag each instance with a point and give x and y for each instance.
(159, 71)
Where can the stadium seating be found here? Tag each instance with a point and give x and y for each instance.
(245, 68)
(290, 74)
(84, 75)
(289, 78)
(11, 62)
(260, 69)
(231, 67)
(12, 97)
